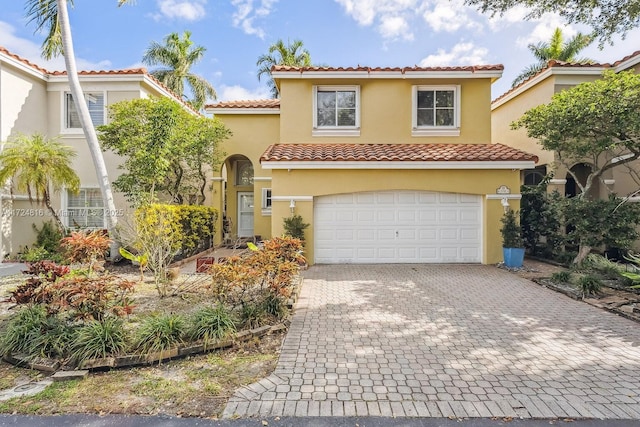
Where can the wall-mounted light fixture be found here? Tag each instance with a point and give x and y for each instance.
(505, 204)
(292, 205)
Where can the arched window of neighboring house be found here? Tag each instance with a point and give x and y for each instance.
(533, 177)
(581, 171)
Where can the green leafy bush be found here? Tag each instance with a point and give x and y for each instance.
(19, 330)
(294, 226)
(211, 324)
(49, 237)
(276, 306)
(511, 231)
(561, 277)
(589, 285)
(159, 333)
(254, 314)
(33, 254)
(99, 339)
(604, 266)
(36, 334)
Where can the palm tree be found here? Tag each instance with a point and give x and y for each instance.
(293, 55)
(52, 16)
(38, 166)
(556, 49)
(177, 55)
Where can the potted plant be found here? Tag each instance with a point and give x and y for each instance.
(512, 243)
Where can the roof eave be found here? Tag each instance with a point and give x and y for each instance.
(406, 165)
(543, 75)
(418, 74)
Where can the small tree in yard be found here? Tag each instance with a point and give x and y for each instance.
(596, 122)
(167, 151)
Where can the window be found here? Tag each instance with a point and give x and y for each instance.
(436, 111)
(266, 201)
(533, 177)
(95, 102)
(336, 111)
(244, 172)
(85, 209)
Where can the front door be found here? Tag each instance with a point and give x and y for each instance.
(245, 214)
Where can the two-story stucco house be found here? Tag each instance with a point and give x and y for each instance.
(539, 89)
(32, 100)
(387, 165)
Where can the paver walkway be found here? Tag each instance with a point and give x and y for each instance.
(446, 341)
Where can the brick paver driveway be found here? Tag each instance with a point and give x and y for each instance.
(446, 340)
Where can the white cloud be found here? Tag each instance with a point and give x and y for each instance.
(450, 16)
(238, 93)
(545, 26)
(32, 51)
(393, 27)
(464, 53)
(392, 16)
(188, 10)
(247, 13)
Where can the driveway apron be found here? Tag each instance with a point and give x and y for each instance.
(446, 341)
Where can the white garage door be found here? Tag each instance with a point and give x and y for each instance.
(398, 227)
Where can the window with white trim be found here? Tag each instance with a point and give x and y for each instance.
(85, 209)
(266, 201)
(95, 103)
(436, 111)
(336, 110)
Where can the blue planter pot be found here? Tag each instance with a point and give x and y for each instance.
(513, 257)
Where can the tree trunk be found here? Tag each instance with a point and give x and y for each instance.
(47, 203)
(583, 251)
(85, 119)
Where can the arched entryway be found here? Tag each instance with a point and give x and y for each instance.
(238, 206)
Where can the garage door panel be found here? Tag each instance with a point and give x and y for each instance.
(401, 226)
(449, 216)
(386, 216)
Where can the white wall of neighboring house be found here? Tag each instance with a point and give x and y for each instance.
(23, 97)
(32, 100)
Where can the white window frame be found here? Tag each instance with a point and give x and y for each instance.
(336, 130)
(66, 215)
(266, 201)
(453, 130)
(64, 119)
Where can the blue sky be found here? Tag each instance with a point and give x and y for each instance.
(336, 32)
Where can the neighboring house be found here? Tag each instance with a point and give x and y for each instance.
(32, 100)
(539, 89)
(387, 165)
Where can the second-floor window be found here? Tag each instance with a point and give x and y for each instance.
(336, 110)
(95, 102)
(436, 110)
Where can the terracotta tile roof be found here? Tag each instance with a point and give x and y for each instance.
(626, 58)
(105, 72)
(393, 153)
(472, 68)
(256, 103)
(553, 64)
(24, 61)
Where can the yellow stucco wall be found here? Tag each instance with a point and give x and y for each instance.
(251, 135)
(512, 110)
(386, 107)
(315, 183)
